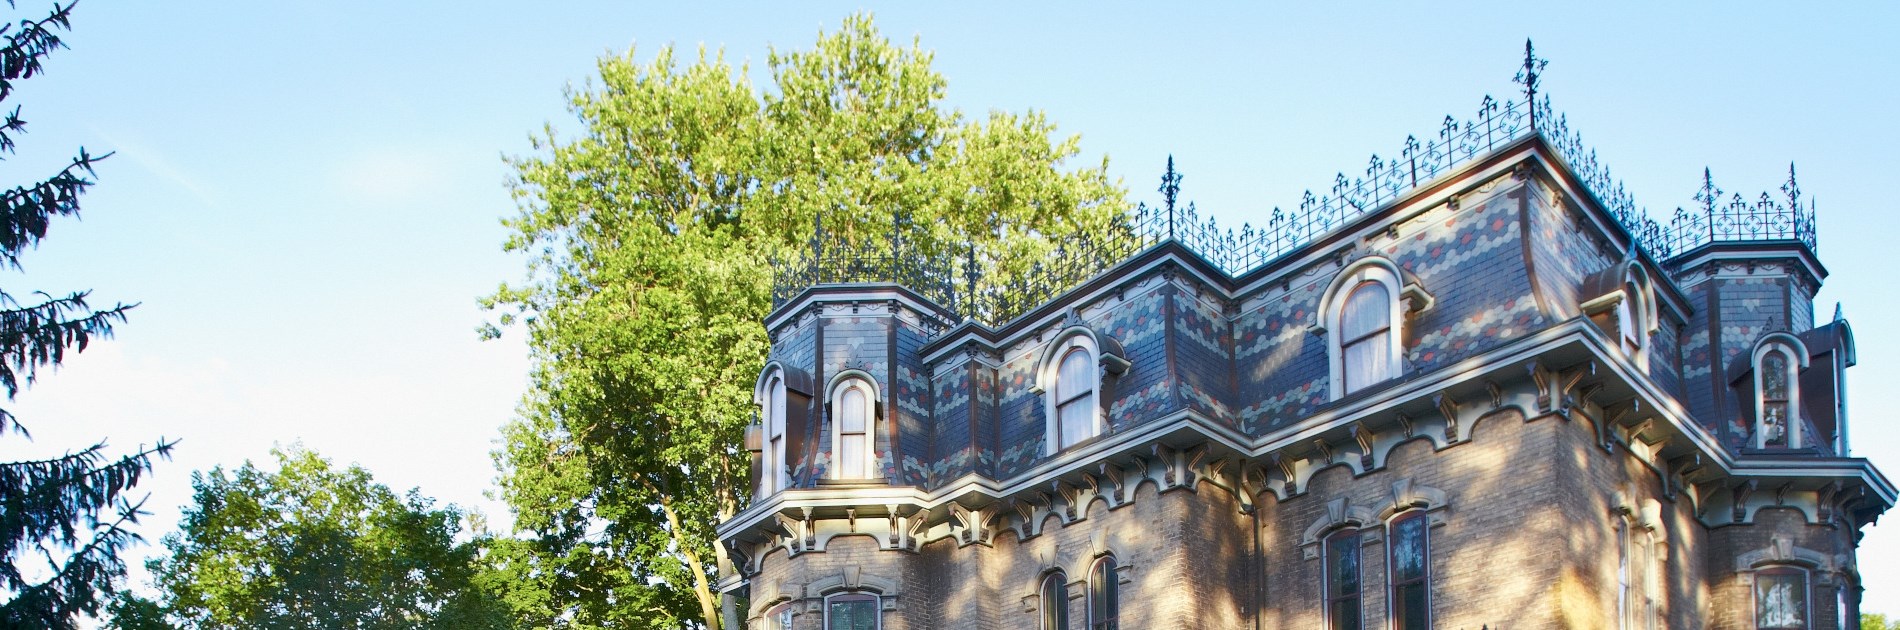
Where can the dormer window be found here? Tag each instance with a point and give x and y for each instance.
(1362, 317)
(1070, 380)
(1629, 321)
(1622, 301)
(1365, 332)
(853, 429)
(774, 474)
(1777, 368)
(1074, 396)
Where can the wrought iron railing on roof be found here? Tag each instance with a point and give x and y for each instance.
(964, 280)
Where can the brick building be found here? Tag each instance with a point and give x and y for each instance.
(1472, 388)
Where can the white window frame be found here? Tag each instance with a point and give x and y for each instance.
(1797, 361)
(771, 397)
(1053, 396)
(1635, 572)
(845, 382)
(1366, 270)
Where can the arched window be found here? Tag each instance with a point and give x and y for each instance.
(774, 474)
(853, 429)
(1629, 325)
(1636, 579)
(1410, 571)
(1055, 601)
(1635, 315)
(851, 611)
(1073, 380)
(779, 617)
(1104, 600)
(1365, 336)
(1778, 392)
(1781, 599)
(1343, 610)
(1362, 318)
(1075, 393)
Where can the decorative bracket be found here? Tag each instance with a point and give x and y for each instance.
(1365, 438)
(1740, 497)
(1448, 407)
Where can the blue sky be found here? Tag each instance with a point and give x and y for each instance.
(306, 196)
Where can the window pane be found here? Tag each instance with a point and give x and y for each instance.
(852, 614)
(1345, 614)
(775, 409)
(1774, 423)
(1367, 362)
(1408, 549)
(1077, 421)
(1368, 308)
(1074, 376)
(851, 410)
(1781, 601)
(851, 456)
(1410, 611)
(1342, 554)
(1774, 375)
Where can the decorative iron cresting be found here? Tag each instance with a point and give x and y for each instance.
(963, 281)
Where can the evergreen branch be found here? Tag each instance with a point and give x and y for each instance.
(36, 336)
(24, 49)
(75, 588)
(51, 501)
(26, 211)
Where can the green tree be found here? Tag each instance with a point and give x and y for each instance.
(63, 520)
(313, 546)
(649, 234)
(1877, 621)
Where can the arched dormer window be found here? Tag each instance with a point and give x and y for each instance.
(1635, 315)
(853, 427)
(1070, 379)
(1622, 302)
(1054, 601)
(774, 472)
(1363, 316)
(1365, 337)
(1104, 598)
(1777, 363)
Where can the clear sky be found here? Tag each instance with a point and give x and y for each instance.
(306, 196)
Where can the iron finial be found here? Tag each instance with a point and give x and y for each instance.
(1170, 189)
(1530, 75)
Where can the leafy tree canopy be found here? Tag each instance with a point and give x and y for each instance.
(649, 233)
(313, 546)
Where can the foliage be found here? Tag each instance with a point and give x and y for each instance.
(650, 235)
(63, 520)
(1877, 621)
(314, 546)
